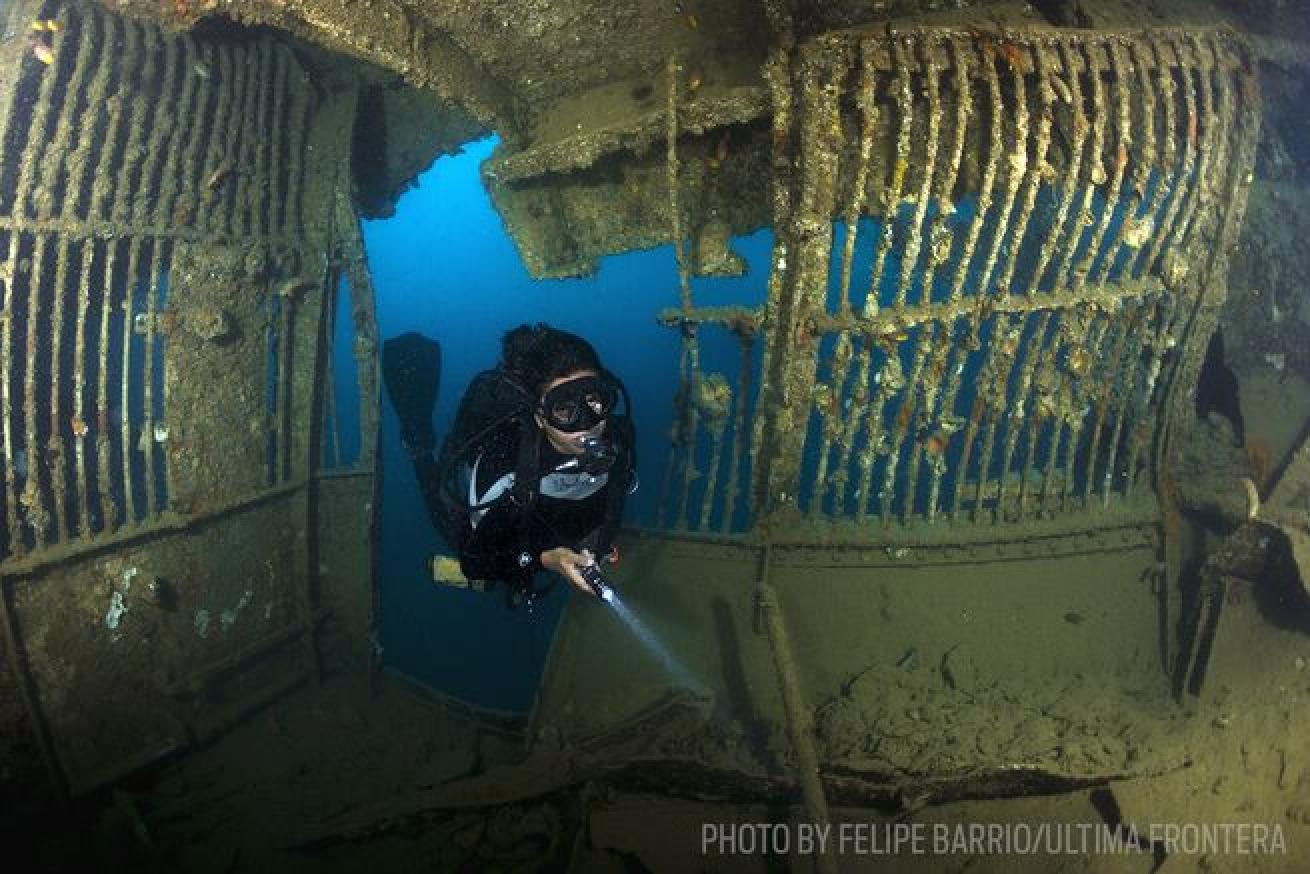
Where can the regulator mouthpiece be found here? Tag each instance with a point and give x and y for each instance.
(598, 455)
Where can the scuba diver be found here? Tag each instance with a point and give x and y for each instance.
(534, 472)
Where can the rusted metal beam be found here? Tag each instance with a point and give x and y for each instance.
(798, 712)
(167, 522)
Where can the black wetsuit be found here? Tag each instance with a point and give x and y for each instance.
(571, 508)
(502, 526)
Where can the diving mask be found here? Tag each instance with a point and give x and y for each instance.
(579, 404)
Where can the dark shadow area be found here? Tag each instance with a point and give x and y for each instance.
(1217, 389)
(1063, 13)
(1278, 592)
(737, 696)
(1107, 807)
(367, 157)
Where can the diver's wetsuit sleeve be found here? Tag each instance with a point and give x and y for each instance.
(491, 548)
(494, 549)
(506, 545)
(498, 563)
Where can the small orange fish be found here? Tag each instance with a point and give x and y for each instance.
(1014, 56)
(79, 427)
(935, 445)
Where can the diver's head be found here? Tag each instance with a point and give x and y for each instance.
(573, 411)
(537, 355)
(563, 372)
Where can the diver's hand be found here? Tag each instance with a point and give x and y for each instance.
(567, 563)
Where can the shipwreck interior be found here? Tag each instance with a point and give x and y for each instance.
(995, 506)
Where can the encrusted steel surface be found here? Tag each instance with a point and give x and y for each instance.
(153, 178)
(1032, 235)
(169, 222)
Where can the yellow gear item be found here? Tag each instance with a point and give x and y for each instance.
(446, 571)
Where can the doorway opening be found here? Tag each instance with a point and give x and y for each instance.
(444, 266)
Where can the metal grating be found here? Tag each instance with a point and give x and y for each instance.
(127, 145)
(1028, 231)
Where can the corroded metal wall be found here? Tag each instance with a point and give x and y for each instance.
(150, 183)
(170, 222)
(1031, 247)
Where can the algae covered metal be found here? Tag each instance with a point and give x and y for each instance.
(1030, 260)
(170, 228)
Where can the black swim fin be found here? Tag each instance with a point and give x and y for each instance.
(411, 369)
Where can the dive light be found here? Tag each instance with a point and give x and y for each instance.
(592, 575)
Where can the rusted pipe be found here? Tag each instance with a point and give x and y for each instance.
(800, 722)
(691, 383)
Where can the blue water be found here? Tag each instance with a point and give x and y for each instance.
(443, 265)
